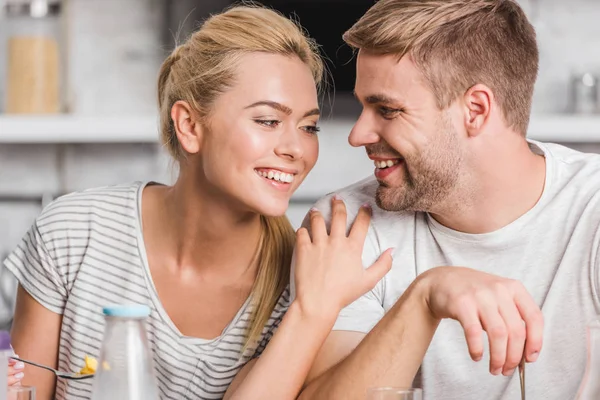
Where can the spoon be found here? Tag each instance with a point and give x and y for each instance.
(522, 377)
(59, 374)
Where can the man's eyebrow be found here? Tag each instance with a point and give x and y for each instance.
(380, 99)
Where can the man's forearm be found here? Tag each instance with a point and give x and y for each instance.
(390, 355)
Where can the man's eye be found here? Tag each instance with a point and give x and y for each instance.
(387, 112)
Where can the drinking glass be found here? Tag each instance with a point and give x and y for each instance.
(21, 393)
(390, 393)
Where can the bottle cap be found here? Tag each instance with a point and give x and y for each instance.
(127, 311)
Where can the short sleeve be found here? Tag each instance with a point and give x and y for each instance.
(37, 272)
(364, 313)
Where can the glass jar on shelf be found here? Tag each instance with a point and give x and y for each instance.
(35, 56)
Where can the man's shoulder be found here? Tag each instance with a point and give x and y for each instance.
(574, 172)
(355, 196)
(570, 157)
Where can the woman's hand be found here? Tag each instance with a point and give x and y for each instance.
(15, 372)
(329, 272)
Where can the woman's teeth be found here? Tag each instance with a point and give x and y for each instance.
(276, 175)
(382, 164)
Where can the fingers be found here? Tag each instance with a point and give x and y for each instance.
(338, 217)
(468, 317)
(502, 307)
(360, 227)
(317, 226)
(534, 323)
(508, 325)
(497, 333)
(15, 379)
(377, 271)
(302, 237)
(516, 335)
(339, 221)
(15, 372)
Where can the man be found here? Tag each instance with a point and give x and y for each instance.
(446, 88)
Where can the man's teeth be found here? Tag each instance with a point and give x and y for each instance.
(381, 164)
(277, 176)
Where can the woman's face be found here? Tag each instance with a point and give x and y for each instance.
(260, 141)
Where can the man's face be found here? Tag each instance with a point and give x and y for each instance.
(415, 146)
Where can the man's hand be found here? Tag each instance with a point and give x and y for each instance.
(483, 302)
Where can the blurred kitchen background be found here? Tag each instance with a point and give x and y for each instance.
(77, 95)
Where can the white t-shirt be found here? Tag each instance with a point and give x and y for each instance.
(553, 250)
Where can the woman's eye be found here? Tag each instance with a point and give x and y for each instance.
(312, 129)
(270, 123)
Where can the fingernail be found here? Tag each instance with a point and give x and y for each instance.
(19, 365)
(509, 372)
(366, 205)
(20, 375)
(313, 209)
(497, 371)
(533, 356)
(337, 197)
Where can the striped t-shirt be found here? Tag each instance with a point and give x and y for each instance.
(86, 251)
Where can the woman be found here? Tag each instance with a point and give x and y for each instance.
(211, 254)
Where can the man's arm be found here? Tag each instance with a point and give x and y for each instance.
(391, 353)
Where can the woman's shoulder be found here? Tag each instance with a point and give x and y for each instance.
(101, 222)
(103, 207)
(115, 197)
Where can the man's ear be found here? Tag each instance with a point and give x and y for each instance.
(478, 102)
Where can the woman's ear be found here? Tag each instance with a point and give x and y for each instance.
(187, 127)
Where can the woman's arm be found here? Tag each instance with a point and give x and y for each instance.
(35, 336)
(280, 371)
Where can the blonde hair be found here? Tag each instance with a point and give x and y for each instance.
(205, 66)
(457, 44)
